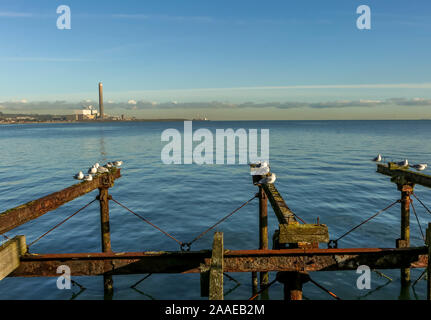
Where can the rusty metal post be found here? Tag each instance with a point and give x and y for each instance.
(292, 284)
(428, 243)
(404, 241)
(108, 284)
(254, 282)
(104, 219)
(293, 288)
(263, 236)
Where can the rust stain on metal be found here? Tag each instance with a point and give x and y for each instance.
(15, 217)
(282, 211)
(303, 260)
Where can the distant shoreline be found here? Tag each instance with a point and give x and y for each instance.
(92, 121)
(181, 120)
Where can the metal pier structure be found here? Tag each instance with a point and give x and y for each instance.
(294, 254)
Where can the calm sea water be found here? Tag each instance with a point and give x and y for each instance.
(323, 170)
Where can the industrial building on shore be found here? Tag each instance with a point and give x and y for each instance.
(90, 113)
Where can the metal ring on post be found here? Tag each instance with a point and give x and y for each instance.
(185, 246)
(332, 244)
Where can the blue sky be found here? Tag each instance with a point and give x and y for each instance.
(231, 53)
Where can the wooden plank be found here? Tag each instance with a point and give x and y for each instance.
(104, 219)
(216, 268)
(10, 253)
(281, 210)
(15, 217)
(404, 176)
(294, 233)
(87, 264)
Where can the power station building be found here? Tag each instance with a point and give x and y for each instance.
(88, 113)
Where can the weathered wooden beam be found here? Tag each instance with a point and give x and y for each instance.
(10, 253)
(281, 210)
(15, 217)
(404, 176)
(216, 268)
(294, 233)
(81, 264)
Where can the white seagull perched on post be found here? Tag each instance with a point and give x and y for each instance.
(79, 176)
(404, 163)
(102, 170)
(96, 165)
(92, 170)
(261, 168)
(118, 163)
(267, 180)
(420, 166)
(378, 158)
(88, 177)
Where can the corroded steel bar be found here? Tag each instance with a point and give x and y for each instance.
(108, 282)
(263, 235)
(303, 260)
(15, 217)
(293, 282)
(104, 219)
(405, 227)
(281, 210)
(263, 219)
(404, 176)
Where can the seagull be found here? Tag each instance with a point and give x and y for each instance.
(79, 176)
(109, 165)
(404, 163)
(420, 166)
(261, 164)
(96, 165)
(378, 158)
(268, 180)
(102, 170)
(92, 170)
(118, 163)
(261, 171)
(88, 177)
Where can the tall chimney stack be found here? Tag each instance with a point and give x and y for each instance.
(101, 100)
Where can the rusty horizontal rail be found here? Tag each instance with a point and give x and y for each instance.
(90, 264)
(404, 176)
(17, 216)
